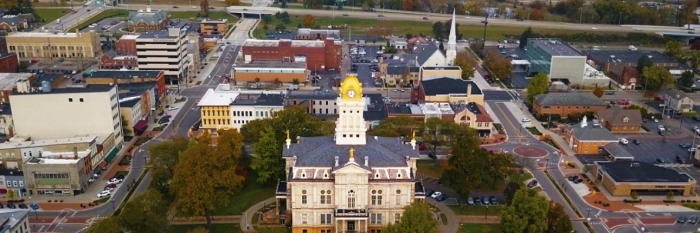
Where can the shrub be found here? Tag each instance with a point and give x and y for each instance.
(682, 201)
(49, 201)
(694, 201)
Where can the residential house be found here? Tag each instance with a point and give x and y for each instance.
(677, 100)
(565, 104)
(617, 119)
(588, 139)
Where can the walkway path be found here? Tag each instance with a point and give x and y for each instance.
(452, 219)
(202, 220)
(247, 219)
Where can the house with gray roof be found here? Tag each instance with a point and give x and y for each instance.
(148, 20)
(430, 55)
(676, 99)
(566, 104)
(588, 137)
(617, 119)
(12, 23)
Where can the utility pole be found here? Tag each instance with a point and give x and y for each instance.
(485, 22)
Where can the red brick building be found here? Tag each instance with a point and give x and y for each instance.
(627, 76)
(148, 21)
(9, 63)
(110, 60)
(126, 45)
(319, 55)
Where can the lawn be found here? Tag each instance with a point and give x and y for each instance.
(361, 26)
(215, 228)
(48, 15)
(112, 13)
(273, 230)
(443, 218)
(429, 167)
(123, 173)
(195, 14)
(248, 196)
(480, 228)
(478, 210)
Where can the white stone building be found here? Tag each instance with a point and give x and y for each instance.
(164, 50)
(347, 182)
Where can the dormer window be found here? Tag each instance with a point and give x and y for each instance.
(325, 175)
(398, 175)
(376, 176)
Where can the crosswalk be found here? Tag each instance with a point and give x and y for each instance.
(450, 201)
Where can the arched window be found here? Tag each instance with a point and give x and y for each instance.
(351, 199)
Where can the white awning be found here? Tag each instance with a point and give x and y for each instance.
(520, 62)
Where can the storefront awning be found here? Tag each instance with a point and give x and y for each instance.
(141, 126)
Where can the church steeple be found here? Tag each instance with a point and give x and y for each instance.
(452, 42)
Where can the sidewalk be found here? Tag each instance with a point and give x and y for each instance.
(202, 220)
(452, 219)
(555, 137)
(247, 217)
(479, 219)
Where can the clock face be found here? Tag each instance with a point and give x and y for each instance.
(351, 93)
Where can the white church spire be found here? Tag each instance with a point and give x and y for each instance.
(452, 42)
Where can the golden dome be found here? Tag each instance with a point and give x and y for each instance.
(351, 88)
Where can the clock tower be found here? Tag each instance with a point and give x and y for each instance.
(350, 127)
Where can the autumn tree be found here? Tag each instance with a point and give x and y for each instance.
(206, 178)
(268, 157)
(409, 5)
(295, 119)
(526, 213)
(538, 85)
(11, 194)
(125, 126)
(598, 92)
(204, 5)
(557, 219)
(536, 15)
(657, 77)
(500, 67)
(466, 63)
(695, 45)
(309, 21)
(199, 230)
(163, 158)
(8, 4)
(466, 164)
(416, 217)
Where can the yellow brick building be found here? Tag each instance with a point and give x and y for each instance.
(47, 45)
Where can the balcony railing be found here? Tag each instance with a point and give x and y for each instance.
(351, 213)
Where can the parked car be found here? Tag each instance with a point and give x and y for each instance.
(441, 197)
(660, 127)
(477, 201)
(681, 219)
(679, 159)
(429, 192)
(435, 195)
(23, 206)
(693, 219)
(532, 184)
(485, 200)
(470, 201)
(11, 205)
(493, 200)
(636, 142)
(104, 193)
(659, 160)
(524, 120)
(623, 141)
(684, 145)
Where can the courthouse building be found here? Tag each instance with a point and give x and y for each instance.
(347, 182)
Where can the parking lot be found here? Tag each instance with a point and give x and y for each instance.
(452, 197)
(650, 151)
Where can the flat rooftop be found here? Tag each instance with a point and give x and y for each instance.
(124, 74)
(48, 142)
(633, 171)
(269, 64)
(259, 99)
(9, 80)
(627, 56)
(220, 98)
(214, 21)
(442, 68)
(129, 37)
(46, 34)
(90, 88)
(276, 43)
(555, 47)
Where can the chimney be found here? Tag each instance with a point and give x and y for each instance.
(148, 8)
(366, 160)
(469, 90)
(336, 161)
(75, 152)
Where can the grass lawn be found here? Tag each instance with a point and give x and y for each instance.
(215, 228)
(478, 210)
(273, 230)
(112, 13)
(256, 217)
(361, 26)
(429, 167)
(212, 15)
(443, 218)
(48, 15)
(124, 173)
(248, 196)
(480, 228)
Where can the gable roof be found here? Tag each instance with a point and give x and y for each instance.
(592, 133)
(673, 92)
(321, 152)
(444, 86)
(152, 17)
(567, 98)
(427, 52)
(616, 116)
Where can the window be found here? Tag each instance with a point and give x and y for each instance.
(376, 197)
(14, 183)
(304, 219)
(21, 183)
(351, 199)
(398, 199)
(81, 100)
(303, 197)
(325, 218)
(325, 197)
(397, 217)
(376, 219)
(70, 100)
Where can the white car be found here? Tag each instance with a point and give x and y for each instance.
(525, 120)
(656, 120)
(173, 108)
(594, 28)
(661, 127)
(624, 141)
(104, 193)
(435, 194)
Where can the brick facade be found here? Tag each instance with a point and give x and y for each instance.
(125, 46)
(565, 110)
(145, 27)
(318, 58)
(9, 63)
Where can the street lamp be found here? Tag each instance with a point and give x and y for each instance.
(145, 162)
(487, 213)
(112, 201)
(589, 214)
(485, 22)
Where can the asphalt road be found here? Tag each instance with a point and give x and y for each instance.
(83, 12)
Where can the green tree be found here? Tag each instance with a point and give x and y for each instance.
(499, 167)
(436, 133)
(416, 218)
(162, 160)
(527, 213)
(634, 195)
(295, 81)
(147, 212)
(510, 190)
(438, 28)
(557, 219)
(467, 163)
(466, 63)
(268, 157)
(253, 129)
(125, 126)
(674, 49)
(294, 119)
(526, 35)
(642, 63)
(107, 225)
(266, 18)
(657, 77)
(598, 92)
(213, 170)
(687, 79)
(538, 85)
(695, 60)
(397, 126)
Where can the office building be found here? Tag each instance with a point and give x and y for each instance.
(224, 107)
(557, 59)
(268, 73)
(54, 45)
(214, 27)
(319, 55)
(164, 50)
(621, 178)
(128, 77)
